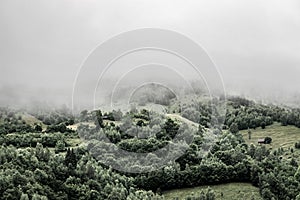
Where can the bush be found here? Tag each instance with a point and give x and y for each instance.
(60, 146)
(263, 125)
(297, 145)
(268, 140)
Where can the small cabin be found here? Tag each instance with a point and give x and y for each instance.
(261, 141)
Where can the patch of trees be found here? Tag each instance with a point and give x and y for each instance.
(227, 162)
(237, 102)
(37, 173)
(290, 117)
(248, 114)
(31, 139)
(276, 178)
(11, 121)
(98, 117)
(62, 128)
(14, 126)
(249, 117)
(198, 111)
(245, 113)
(137, 132)
(54, 117)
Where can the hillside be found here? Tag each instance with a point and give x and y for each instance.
(55, 155)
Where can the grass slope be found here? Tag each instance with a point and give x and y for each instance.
(177, 117)
(282, 136)
(230, 191)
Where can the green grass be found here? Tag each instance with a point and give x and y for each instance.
(73, 142)
(231, 191)
(31, 120)
(282, 136)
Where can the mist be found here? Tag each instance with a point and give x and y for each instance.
(255, 44)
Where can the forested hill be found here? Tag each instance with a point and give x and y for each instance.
(55, 155)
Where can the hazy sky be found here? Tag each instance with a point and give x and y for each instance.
(255, 44)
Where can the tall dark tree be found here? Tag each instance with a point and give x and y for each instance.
(99, 119)
(234, 128)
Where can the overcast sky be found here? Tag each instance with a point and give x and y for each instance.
(255, 44)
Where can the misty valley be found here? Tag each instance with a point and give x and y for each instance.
(149, 100)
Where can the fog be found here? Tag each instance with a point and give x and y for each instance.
(255, 44)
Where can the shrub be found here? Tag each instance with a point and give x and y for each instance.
(268, 140)
(297, 145)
